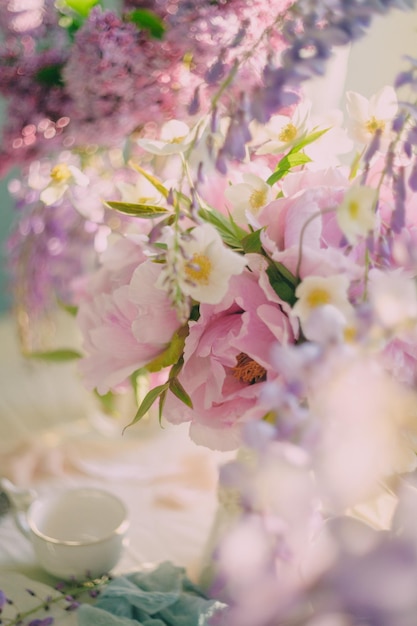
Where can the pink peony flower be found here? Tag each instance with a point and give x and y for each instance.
(156, 320)
(112, 354)
(125, 320)
(118, 262)
(306, 215)
(227, 361)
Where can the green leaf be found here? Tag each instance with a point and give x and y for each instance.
(176, 368)
(71, 23)
(147, 402)
(68, 308)
(172, 353)
(292, 159)
(58, 356)
(152, 179)
(183, 198)
(160, 246)
(50, 75)
(285, 292)
(195, 313)
(107, 402)
(146, 211)
(162, 399)
(179, 391)
(148, 20)
(284, 289)
(230, 232)
(83, 7)
(286, 274)
(136, 379)
(355, 165)
(252, 242)
(307, 139)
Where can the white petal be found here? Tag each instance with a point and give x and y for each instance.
(255, 181)
(271, 147)
(53, 193)
(174, 129)
(238, 195)
(302, 113)
(79, 177)
(357, 106)
(384, 103)
(160, 148)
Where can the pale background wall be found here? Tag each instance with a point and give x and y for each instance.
(376, 59)
(371, 63)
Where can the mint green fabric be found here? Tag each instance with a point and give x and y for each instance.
(163, 597)
(7, 218)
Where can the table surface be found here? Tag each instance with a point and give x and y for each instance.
(52, 437)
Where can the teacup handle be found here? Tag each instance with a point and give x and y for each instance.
(20, 499)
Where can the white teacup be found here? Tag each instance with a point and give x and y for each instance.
(76, 533)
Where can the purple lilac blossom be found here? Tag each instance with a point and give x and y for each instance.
(127, 82)
(370, 579)
(46, 621)
(47, 251)
(37, 114)
(399, 191)
(52, 247)
(132, 79)
(33, 50)
(28, 18)
(315, 27)
(374, 587)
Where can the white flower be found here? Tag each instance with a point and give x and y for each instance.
(61, 178)
(324, 152)
(368, 116)
(39, 175)
(175, 138)
(368, 431)
(356, 214)
(325, 324)
(320, 291)
(207, 265)
(251, 195)
(393, 297)
(282, 131)
(142, 192)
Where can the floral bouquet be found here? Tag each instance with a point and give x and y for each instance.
(243, 265)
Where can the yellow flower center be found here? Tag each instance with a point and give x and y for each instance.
(188, 60)
(318, 297)
(349, 334)
(198, 269)
(177, 139)
(353, 209)
(288, 133)
(144, 200)
(258, 199)
(61, 173)
(372, 125)
(247, 370)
